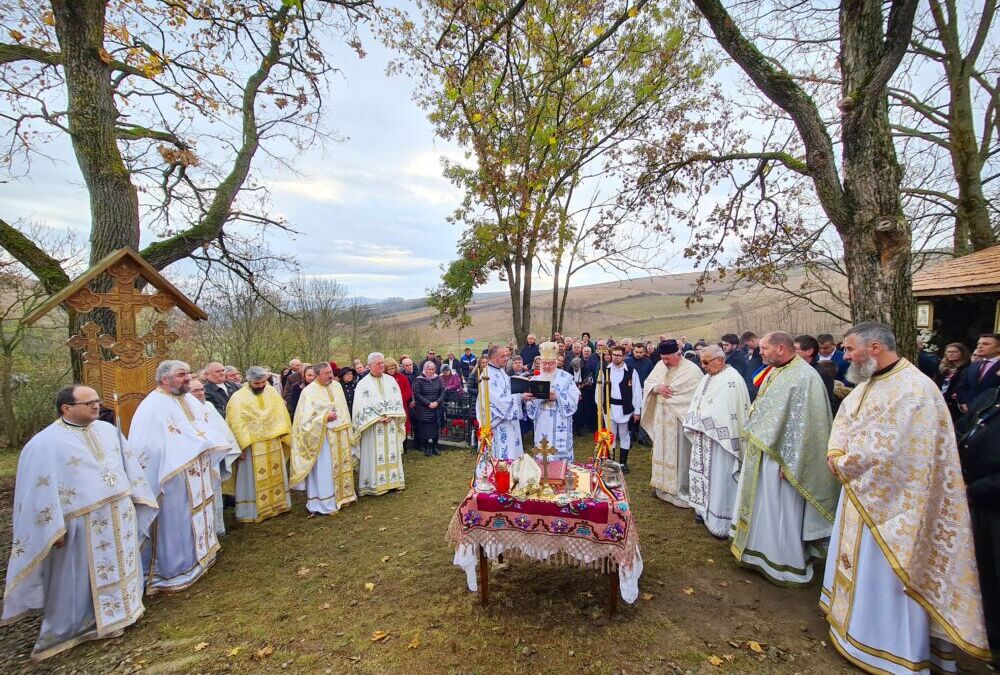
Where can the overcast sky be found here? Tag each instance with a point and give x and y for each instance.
(371, 210)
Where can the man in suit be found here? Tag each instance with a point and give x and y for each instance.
(983, 373)
(217, 390)
(291, 387)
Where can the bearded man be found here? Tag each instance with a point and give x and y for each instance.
(713, 424)
(900, 585)
(321, 445)
(786, 500)
(378, 430)
(262, 427)
(553, 416)
(172, 441)
(666, 398)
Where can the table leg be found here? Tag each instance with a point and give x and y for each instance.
(484, 577)
(613, 589)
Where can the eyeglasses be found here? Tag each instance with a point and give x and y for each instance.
(705, 363)
(94, 402)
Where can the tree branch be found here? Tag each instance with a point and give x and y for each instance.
(781, 89)
(48, 270)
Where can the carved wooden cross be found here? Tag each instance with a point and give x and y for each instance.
(544, 449)
(159, 338)
(124, 299)
(89, 341)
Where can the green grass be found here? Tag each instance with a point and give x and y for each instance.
(297, 585)
(8, 464)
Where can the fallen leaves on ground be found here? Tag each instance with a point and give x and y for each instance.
(414, 643)
(648, 596)
(689, 591)
(386, 558)
(369, 586)
(715, 660)
(263, 652)
(234, 651)
(754, 646)
(710, 561)
(201, 645)
(380, 636)
(303, 572)
(325, 605)
(383, 528)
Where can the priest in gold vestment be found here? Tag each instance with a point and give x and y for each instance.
(900, 588)
(666, 397)
(259, 419)
(321, 445)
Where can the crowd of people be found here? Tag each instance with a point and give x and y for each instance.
(795, 449)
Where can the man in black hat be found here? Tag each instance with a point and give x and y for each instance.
(667, 396)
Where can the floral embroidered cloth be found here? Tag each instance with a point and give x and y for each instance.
(584, 532)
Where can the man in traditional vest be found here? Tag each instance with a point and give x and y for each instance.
(625, 400)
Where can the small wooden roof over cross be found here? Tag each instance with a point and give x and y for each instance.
(80, 291)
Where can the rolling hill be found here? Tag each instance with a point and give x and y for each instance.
(637, 308)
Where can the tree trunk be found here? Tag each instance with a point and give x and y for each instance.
(114, 203)
(11, 432)
(877, 239)
(556, 316)
(972, 217)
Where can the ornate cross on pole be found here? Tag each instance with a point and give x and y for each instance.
(544, 449)
(159, 338)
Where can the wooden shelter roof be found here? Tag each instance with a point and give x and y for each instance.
(974, 273)
(146, 271)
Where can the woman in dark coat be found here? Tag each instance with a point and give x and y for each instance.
(979, 450)
(428, 392)
(956, 360)
(349, 380)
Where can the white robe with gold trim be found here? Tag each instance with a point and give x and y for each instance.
(662, 419)
(172, 441)
(75, 482)
(901, 585)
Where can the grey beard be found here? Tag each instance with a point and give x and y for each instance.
(858, 373)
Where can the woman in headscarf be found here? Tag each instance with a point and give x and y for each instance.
(392, 368)
(452, 383)
(428, 392)
(349, 380)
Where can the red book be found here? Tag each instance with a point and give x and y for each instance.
(557, 470)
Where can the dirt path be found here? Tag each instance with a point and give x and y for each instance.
(289, 594)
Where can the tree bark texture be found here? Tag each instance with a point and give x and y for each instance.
(93, 116)
(865, 206)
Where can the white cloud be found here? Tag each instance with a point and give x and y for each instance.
(312, 189)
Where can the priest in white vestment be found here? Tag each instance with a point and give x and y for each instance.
(666, 397)
(222, 435)
(554, 417)
(378, 430)
(505, 408)
(786, 498)
(625, 400)
(321, 445)
(82, 509)
(713, 425)
(175, 447)
(900, 589)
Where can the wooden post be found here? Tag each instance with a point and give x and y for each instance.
(613, 588)
(484, 577)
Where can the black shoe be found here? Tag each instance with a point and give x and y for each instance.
(624, 468)
(624, 459)
(427, 452)
(698, 519)
(435, 451)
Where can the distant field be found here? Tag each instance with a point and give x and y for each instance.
(635, 308)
